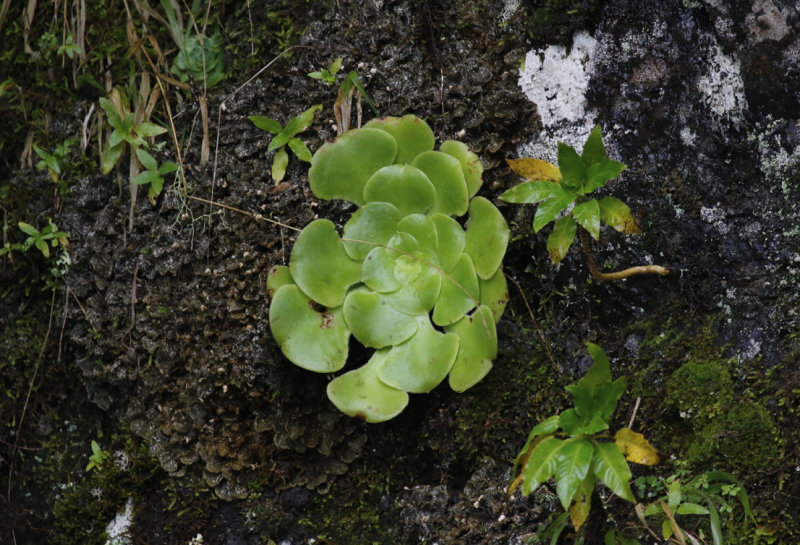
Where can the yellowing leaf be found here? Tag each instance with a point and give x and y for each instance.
(535, 169)
(636, 448)
(581, 503)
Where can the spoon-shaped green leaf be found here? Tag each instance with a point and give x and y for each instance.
(374, 222)
(451, 241)
(494, 294)
(374, 322)
(314, 339)
(422, 362)
(360, 393)
(470, 164)
(340, 169)
(459, 293)
(418, 296)
(404, 186)
(390, 268)
(445, 173)
(486, 237)
(277, 277)
(477, 348)
(422, 228)
(320, 266)
(412, 134)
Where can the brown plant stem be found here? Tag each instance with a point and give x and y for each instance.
(583, 235)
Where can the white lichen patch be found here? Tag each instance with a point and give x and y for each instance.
(117, 529)
(722, 86)
(510, 7)
(767, 22)
(716, 216)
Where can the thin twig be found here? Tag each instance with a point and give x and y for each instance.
(633, 414)
(583, 235)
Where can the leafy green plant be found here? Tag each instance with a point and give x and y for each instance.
(708, 495)
(573, 448)
(405, 279)
(97, 458)
(56, 161)
(153, 174)
(328, 75)
(42, 240)
(562, 193)
(200, 57)
(286, 136)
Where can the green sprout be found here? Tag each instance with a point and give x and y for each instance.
(404, 278)
(97, 458)
(286, 136)
(328, 75)
(153, 174)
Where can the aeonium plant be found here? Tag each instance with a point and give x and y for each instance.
(563, 194)
(404, 278)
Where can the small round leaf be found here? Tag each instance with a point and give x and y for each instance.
(412, 134)
(477, 348)
(486, 237)
(459, 293)
(470, 164)
(494, 294)
(451, 241)
(373, 322)
(390, 268)
(374, 222)
(278, 276)
(445, 173)
(422, 228)
(404, 186)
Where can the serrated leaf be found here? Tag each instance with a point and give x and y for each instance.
(573, 171)
(587, 214)
(532, 192)
(593, 150)
(279, 163)
(266, 124)
(636, 448)
(535, 169)
(551, 208)
(561, 238)
(574, 459)
(616, 214)
(611, 468)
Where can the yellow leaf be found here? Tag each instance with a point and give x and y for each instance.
(535, 169)
(581, 503)
(636, 448)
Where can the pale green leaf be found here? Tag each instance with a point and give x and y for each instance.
(445, 173)
(404, 186)
(616, 214)
(470, 164)
(295, 125)
(477, 348)
(412, 134)
(300, 150)
(147, 160)
(371, 225)
(147, 129)
(486, 237)
(279, 163)
(451, 241)
(541, 465)
(459, 293)
(266, 124)
(373, 322)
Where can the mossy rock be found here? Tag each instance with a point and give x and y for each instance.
(700, 389)
(742, 439)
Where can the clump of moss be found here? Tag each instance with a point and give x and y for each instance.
(743, 438)
(700, 389)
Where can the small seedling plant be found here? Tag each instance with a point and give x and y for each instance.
(97, 458)
(563, 195)
(286, 136)
(328, 75)
(405, 279)
(574, 448)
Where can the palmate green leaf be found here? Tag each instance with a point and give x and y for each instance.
(279, 163)
(616, 214)
(593, 150)
(587, 214)
(572, 466)
(541, 465)
(293, 127)
(573, 170)
(551, 208)
(532, 192)
(610, 467)
(561, 238)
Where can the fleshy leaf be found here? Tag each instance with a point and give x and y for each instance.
(486, 237)
(535, 169)
(451, 241)
(470, 164)
(455, 300)
(412, 134)
(573, 171)
(477, 348)
(404, 186)
(611, 468)
(551, 208)
(422, 362)
(278, 276)
(320, 266)
(574, 459)
(445, 173)
(361, 394)
(418, 296)
(532, 192)
(494, 294)
(636, 448)
(561, 239)
(340, 169)
(422, 228)
(615, 213)
(374, 222)
(373, 322)
(388, 269)
(587, 214)
(313, 339)
(541, 465)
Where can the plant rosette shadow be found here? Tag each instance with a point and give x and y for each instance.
(405, 278)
